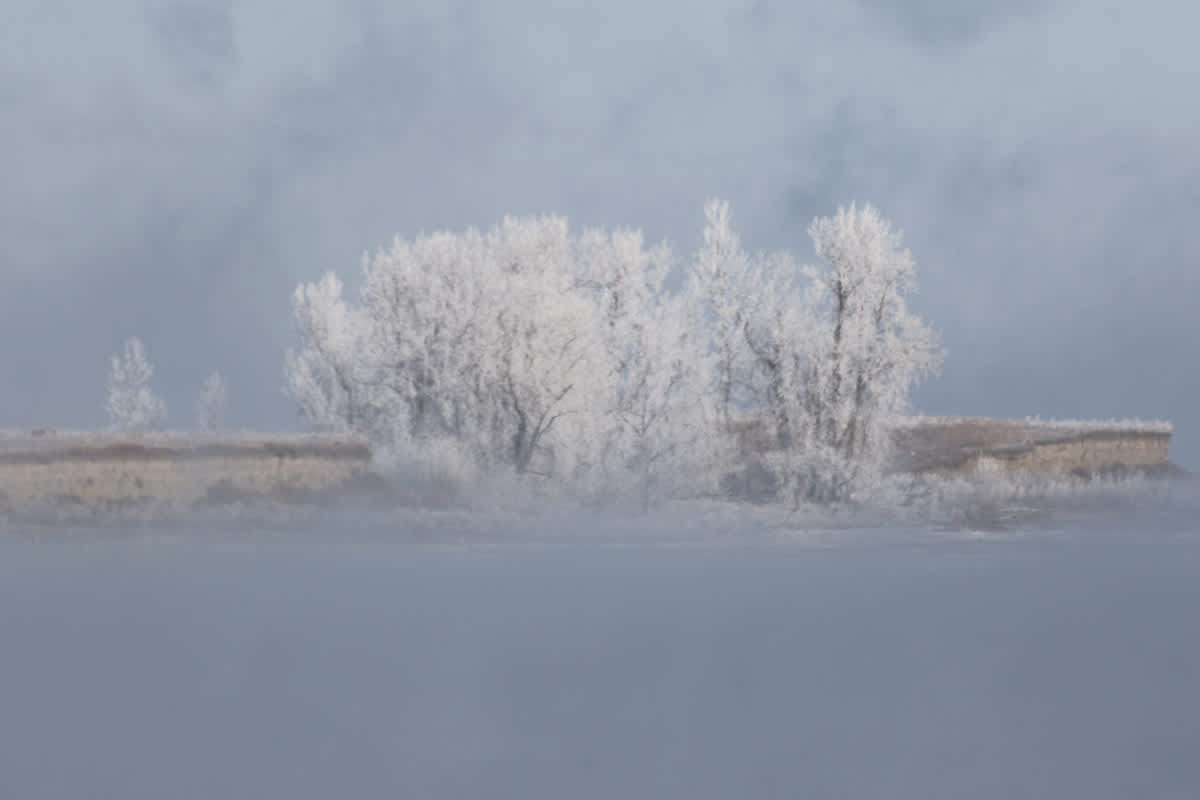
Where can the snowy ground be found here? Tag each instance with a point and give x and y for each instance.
(704, 654)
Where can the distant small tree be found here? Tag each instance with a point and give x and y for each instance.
(131, 404)
(210, 409)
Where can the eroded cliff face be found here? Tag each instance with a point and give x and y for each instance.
(103, 471)
(961, 446)
(1084, 456)
(964, 446)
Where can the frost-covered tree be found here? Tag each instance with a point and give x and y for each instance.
(749, 324)
(868, 349)
(481, 339)
(817, 360)
(776, 332)
(545, 363)
(719, 288)
(654, 410)
(485, 340)
(420, 304)
(210, 408)
(131, 404)
(324, 376)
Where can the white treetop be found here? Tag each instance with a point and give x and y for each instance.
(875, 349)
(131, 404)
(210, 409)
(323, 376)
(719, 285)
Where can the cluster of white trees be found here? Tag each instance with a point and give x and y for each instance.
(537, 350)
(821, 357)
(132, 404)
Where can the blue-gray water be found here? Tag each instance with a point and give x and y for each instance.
(905, 665)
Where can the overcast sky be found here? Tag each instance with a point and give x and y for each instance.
(172, 169)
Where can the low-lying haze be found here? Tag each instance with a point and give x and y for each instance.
(899, 663)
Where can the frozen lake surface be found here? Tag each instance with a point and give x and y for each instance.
(350, 663)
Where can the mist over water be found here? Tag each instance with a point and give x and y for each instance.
(449, 654)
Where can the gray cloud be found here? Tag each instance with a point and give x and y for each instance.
(173, 169)
(950, 23)
(197, 38)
